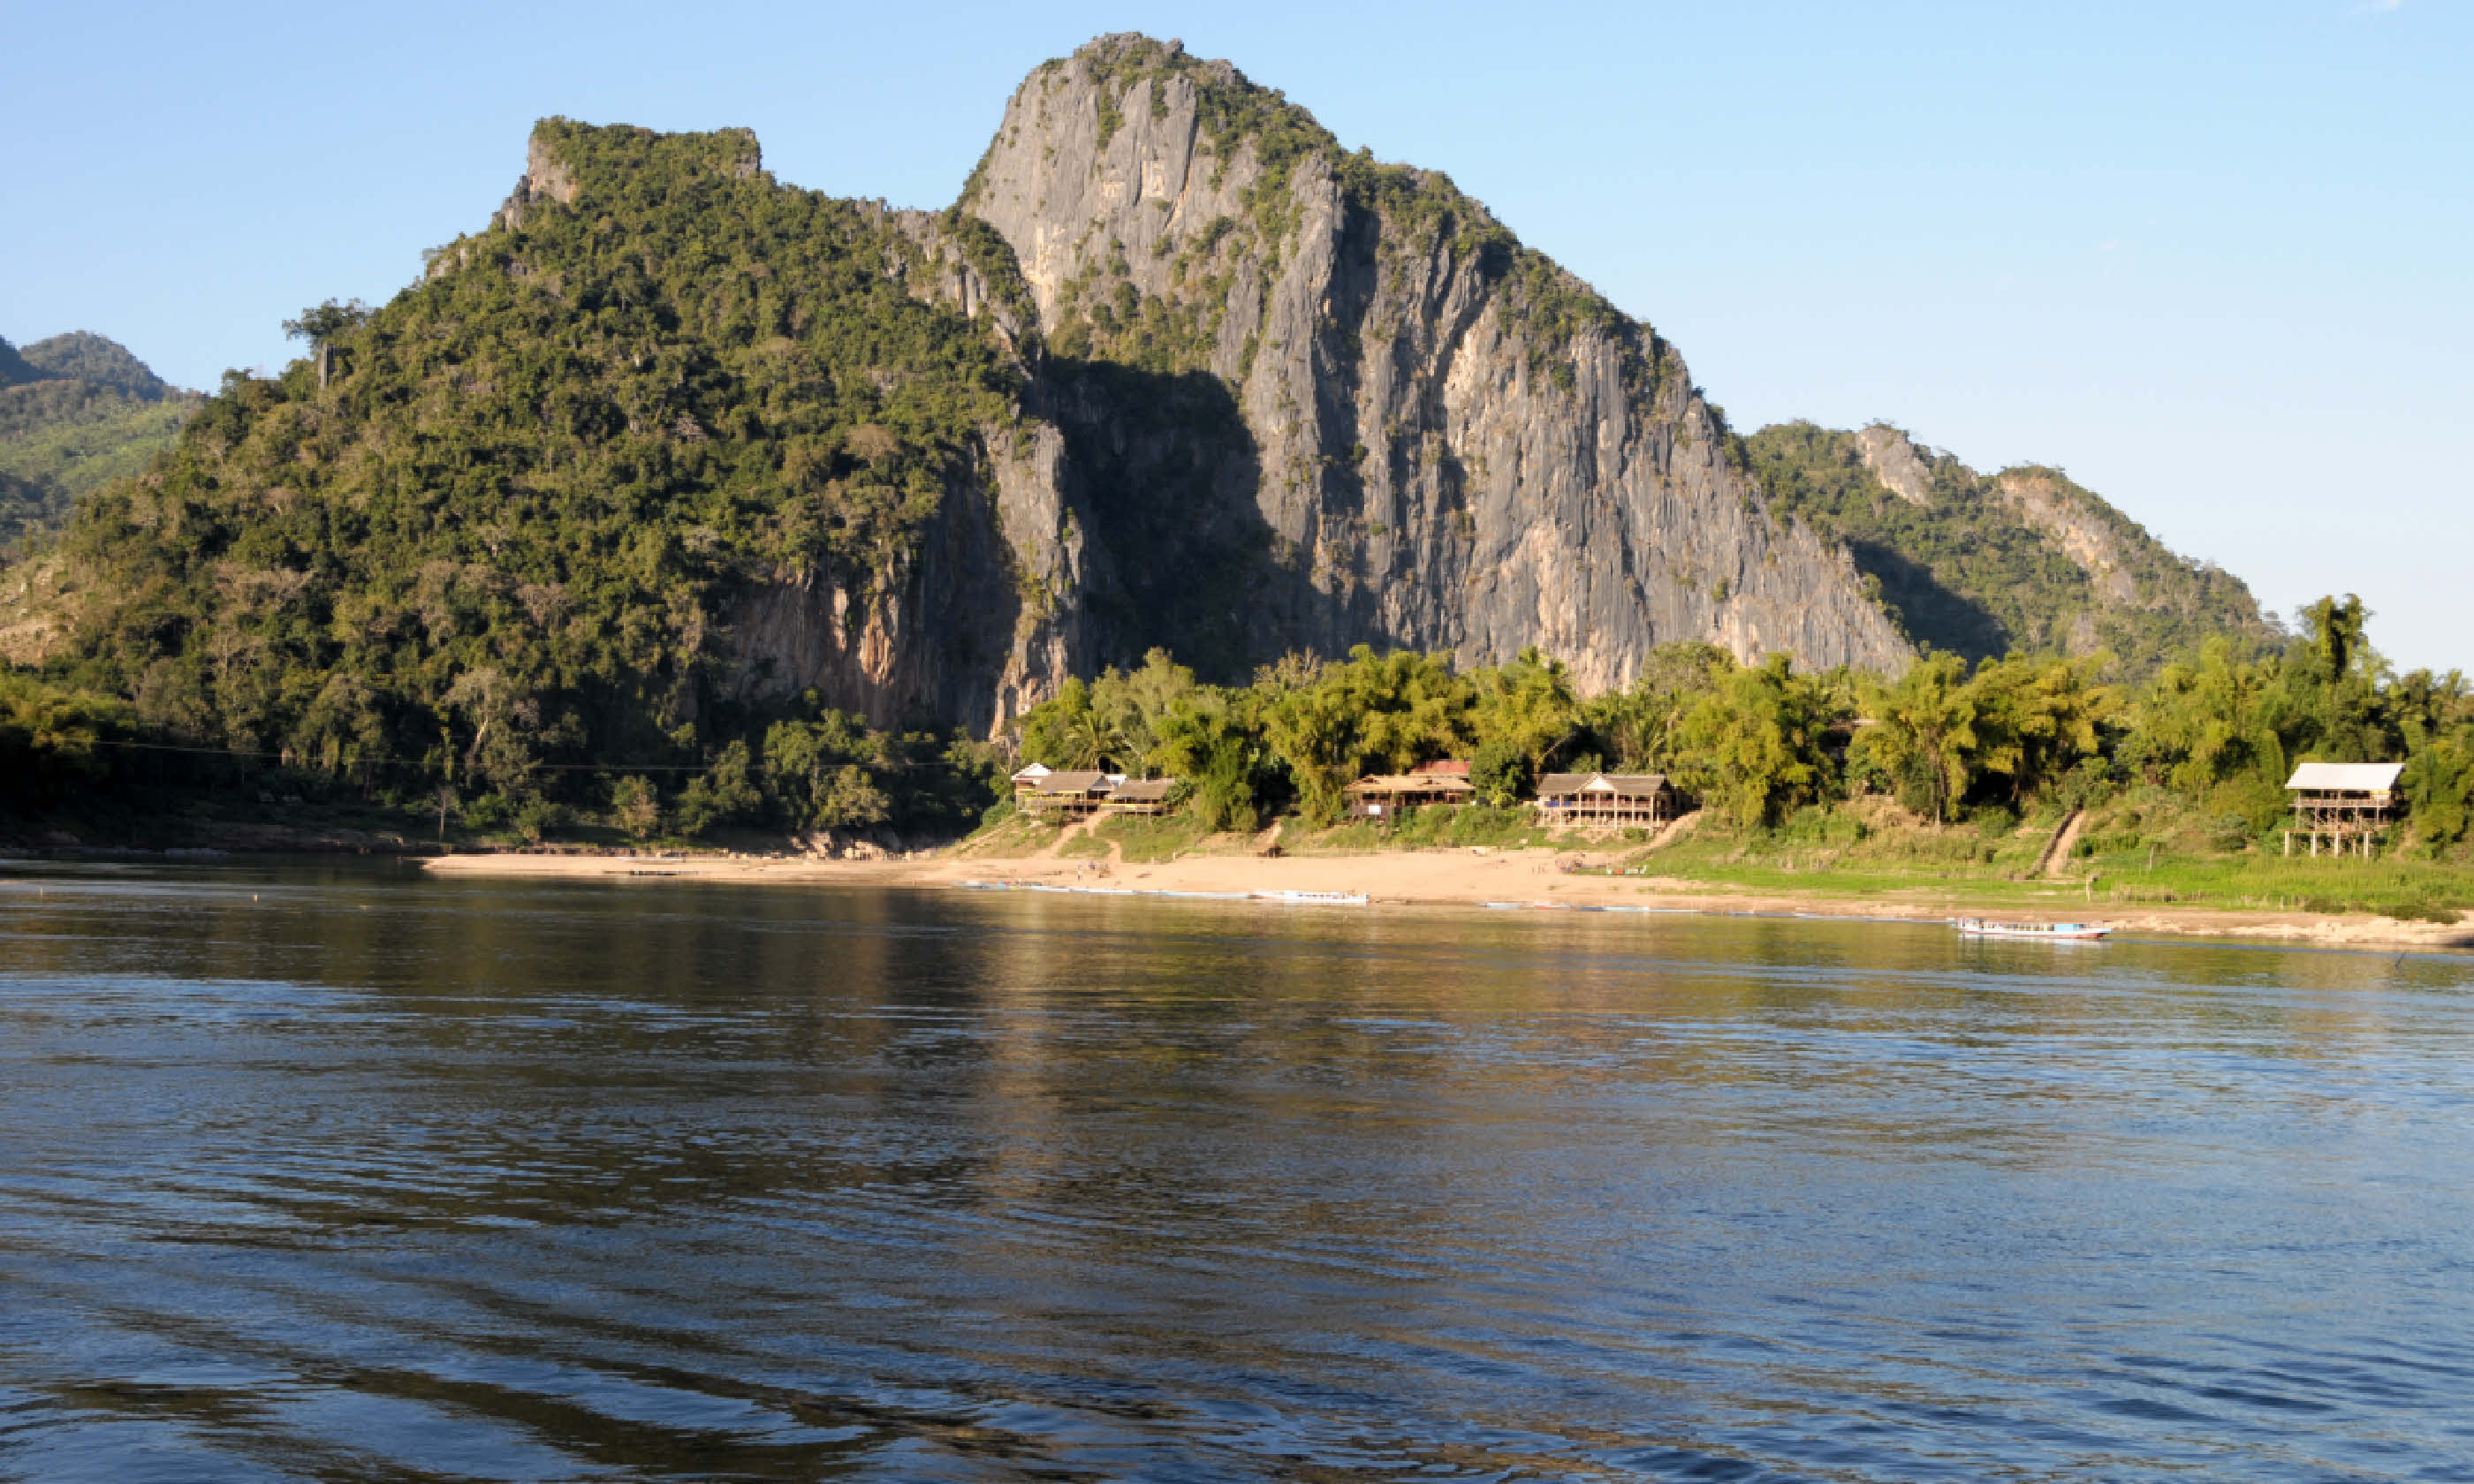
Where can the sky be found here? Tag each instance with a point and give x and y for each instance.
(2215, 260)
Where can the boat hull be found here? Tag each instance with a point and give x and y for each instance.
(2034, 932)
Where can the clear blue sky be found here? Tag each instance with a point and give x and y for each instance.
(2215, 260)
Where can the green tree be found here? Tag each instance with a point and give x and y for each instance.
(1753, 747)
(852, 801)
(635, 808)
(1924, 734)
(321, 325)
(1130, 707)
(724, 793)
(1637, 725)
(2038, 719)
(1206, 740)
(1500, 772)
(1527, 705)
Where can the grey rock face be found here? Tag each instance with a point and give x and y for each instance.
(2064, 518)
(1280, 398)
(975, 631)
(1894, 460)
(1424, 435)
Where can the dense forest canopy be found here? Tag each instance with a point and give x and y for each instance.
(2215, 729)
(486, 528)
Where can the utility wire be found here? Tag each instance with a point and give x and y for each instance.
(541, 766)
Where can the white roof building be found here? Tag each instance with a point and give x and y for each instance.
(2345, 778)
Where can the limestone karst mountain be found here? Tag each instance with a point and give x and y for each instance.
(1400, 425)
(667, 447)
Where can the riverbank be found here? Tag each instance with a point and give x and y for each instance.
(1457, 878)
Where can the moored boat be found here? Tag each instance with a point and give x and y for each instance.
(1314, 898)
(2049, 932)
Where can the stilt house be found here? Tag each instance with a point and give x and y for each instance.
(1601, 800)
(2345, 805)
(1382, 796)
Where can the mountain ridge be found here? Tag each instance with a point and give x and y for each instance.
(1450, 442)
(2021, 559)
(666, 451)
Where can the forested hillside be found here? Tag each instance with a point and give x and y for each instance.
(759, 506)
(76, 411)
(492, 526)
(1984, 564)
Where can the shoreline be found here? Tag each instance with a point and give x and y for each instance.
(1455, 878)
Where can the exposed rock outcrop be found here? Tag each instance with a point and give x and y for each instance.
(1894, 460)
(975, 630)
(1984, 564)
(2068, 517)
(1395, 425)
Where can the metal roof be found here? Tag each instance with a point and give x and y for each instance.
(2346, 778)
(1623, 785)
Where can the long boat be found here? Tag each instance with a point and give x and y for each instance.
(2049, 932)
(1314, 898)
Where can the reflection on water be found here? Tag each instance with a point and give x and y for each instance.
(354, 1174)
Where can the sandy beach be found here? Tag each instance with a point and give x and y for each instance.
(1435, 878)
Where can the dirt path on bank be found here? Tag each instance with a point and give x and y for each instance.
(2056, 858)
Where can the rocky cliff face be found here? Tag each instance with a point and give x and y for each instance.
(1307, 401)
(1896, 462)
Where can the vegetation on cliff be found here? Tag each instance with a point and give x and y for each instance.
(1987, 564)
(485, 533)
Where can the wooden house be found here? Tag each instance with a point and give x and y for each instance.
(1146, 796)
(1070, 793)
(1601, 800)
(1028, 780)
(1382, 796)
(2347, 804)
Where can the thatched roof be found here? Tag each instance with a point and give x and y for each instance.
(1080, 782)
(1146, 791)
(1411, 783)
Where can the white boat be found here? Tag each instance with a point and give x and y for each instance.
(2049, 932)
(1314, 898)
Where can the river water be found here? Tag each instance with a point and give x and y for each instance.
(347, 1174)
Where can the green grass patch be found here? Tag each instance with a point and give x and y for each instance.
(1988, 864)
(1437, 826)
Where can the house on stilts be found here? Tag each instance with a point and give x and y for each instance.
(2346, 805)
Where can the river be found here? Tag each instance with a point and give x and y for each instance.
(340, 1173)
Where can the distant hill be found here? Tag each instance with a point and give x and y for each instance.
(76, 410)
(1983, 565)
(82, 355)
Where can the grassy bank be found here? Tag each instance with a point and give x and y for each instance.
(2124, 858)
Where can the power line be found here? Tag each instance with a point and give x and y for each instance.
(539, 767)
